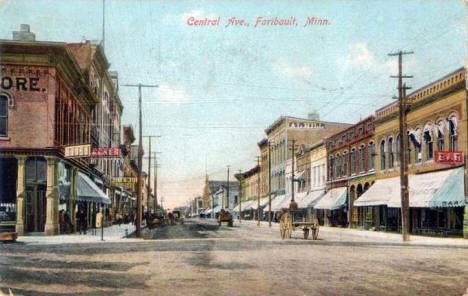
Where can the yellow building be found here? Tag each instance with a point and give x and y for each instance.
(264, 167)
(436, 124)
(249, 187)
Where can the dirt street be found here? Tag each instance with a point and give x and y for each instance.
(200, 258)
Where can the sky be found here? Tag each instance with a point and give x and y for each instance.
(220, 87)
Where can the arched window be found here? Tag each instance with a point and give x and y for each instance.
(428, 144)
(382, 155)
(345, 164)
(453, 134)
(390, 153)
(440, 136)
(353, 161)
(398, 149)
(371, 152)
(417, 148)
(3, 116)
(362, 158)
(330, 168)
(338, 165)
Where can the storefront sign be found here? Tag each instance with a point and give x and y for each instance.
(113, 152)
(21, 84)
(449, 157)
(78, 151)
(128, 183)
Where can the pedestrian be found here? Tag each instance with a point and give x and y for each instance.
(93, 223)
(82, 221)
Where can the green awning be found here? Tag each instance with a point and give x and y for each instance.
(87, 190)
(452, 192)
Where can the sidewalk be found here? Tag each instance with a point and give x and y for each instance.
(347, 233)
(114, 233)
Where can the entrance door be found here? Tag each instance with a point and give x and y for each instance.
(36, 204)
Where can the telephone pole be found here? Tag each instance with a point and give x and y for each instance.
(140, 155)
(403, 145)
(148, 187)
(269, 184)
(227, 200)
(293, 204)
(258, 191)
(240, 196)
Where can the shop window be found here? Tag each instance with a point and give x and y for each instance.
(382, 155)
(3, 116)
(36, 170)
(8, 174)
(390, 153)
(353, 161)
(371, 155)
(428, 144)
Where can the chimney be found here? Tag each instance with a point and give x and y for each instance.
(313, 115)
(24, 34)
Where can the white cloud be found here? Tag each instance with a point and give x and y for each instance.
(289, 70)
(168, 93)
(358, 56)
(181, 19)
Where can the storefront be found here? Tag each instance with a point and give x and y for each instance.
(332, 207)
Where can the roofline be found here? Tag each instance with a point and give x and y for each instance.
(282, 118)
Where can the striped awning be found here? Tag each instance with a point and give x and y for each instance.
(87, 190)
(334, 199)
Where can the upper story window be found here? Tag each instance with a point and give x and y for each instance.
(382, 155)
(453, 136)
(417, 147)
(440, 136)
(428, 144)
(338, 166)
(371, 152)
(362, 158)
(353, 161)
(390, 153)
(3, 116)
(398, 149)
(345, 164)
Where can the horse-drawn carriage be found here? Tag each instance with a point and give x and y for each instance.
(225, 216)
(291, 220)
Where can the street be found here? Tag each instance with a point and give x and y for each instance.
(200, 258)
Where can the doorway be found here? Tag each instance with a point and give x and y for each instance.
(36, 200)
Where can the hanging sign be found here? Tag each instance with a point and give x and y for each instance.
(106, 152)
(449, 157)
(77, 151)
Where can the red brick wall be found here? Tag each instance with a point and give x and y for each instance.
(31, 119)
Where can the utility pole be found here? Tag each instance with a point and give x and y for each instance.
(155, 182)
(293, 204)
(240, 196)
(227, 200)
(258, 191)
(140, 155)
(103, 22)
(269, 184)
(148, 187)
(403, 146)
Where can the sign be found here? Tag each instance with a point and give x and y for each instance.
(113, 152)
(77, 151)
(128, 183)
(449, 157)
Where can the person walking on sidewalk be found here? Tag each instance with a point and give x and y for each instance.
(82, 221)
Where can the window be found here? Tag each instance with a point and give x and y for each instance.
(371, 152)
(390, 153)
(440, 141)
(330, 168)
(417, 148)
(428, 143)
(353, 161)
(3, 116)
(345, 164)
(453, 135)
(362, 158)
(382, 155)
(338, 166)
(398, 149)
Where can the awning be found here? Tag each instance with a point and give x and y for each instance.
(452, 192)
(263, 203)
(439, 187)
(310, 199)
(209, 211)
(244, 204)
(334, 199)
(280, 202)
(87, 190)
(216, 209)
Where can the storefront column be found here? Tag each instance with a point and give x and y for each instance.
(20, 194)
(73, 189)
(465, 223)
(52, 223)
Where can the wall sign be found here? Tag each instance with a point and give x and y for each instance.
(449, 157)
(105, 152)
(77, 151)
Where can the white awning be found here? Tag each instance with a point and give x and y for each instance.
(244, 206)
(263, 203)
(280, 202)
(334, 199)
(422, 188)
(310, 199)
(209, 211)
